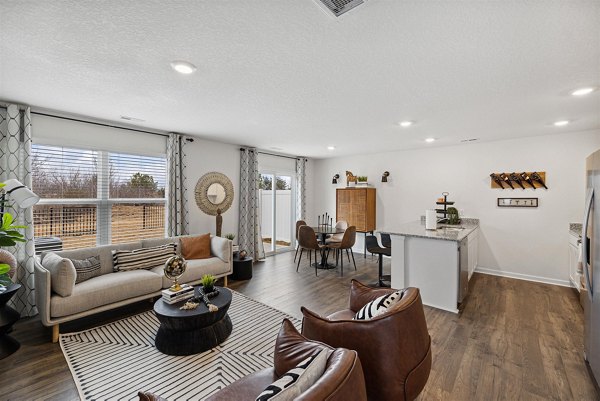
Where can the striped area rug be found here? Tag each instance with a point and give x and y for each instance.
(115, 361)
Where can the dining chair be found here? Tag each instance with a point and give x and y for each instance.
(348, 241)
(308, 241)
(298, 224)
(373, 247)
(341, 226)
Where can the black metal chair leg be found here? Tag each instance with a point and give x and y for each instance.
(299, 259)
(348, 254)
(342, 265)
(296, 255)
(352, 253)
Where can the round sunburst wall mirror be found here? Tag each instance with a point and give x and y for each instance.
(214, 191)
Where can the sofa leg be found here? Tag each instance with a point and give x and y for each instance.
(55, 333)
(224, 281)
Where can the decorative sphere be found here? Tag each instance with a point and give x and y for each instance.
(243, 254)
(175, 267)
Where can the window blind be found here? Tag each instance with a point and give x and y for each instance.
(91, 197)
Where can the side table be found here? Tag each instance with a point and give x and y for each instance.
(8, 317)
(242, 268)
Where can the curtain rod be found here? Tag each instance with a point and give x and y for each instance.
(95, 123)
(273, 154)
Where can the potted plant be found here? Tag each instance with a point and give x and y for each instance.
(453, 217)
(230, 237)
(362, 180)
(208, 284)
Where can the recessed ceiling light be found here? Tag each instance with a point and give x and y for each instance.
(429, 140)
(183, 67)
(405, 123)
(330, 147)
(582, 91)
(561, 123)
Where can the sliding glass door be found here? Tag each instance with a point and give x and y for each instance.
(277, 211)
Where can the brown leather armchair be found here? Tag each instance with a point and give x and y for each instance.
(342, 380)
(394, 348)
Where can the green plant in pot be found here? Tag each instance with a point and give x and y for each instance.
(453, 217)
(362, 178)
(230, 236)
(208, 283)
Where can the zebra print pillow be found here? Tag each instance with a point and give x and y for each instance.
(144, 258)
(378, 306)
(297, 380)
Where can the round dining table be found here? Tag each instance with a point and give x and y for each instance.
(323, 231)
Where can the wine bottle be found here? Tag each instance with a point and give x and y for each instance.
(514, 177)
(505, 178)
(527, 179)
(497, 180)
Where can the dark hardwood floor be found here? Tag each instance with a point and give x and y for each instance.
(514, 340)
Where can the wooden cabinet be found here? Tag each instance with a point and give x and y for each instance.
(357, 207)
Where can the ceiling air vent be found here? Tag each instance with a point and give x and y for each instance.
(339, 7)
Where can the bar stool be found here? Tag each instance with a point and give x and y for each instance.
(373, 247)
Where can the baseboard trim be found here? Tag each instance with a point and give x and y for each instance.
(521, 276)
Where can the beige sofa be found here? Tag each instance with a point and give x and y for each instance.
(114, 289)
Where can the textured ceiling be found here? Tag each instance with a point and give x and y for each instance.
(284, 74)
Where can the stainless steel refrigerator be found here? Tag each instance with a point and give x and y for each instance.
(590, 295)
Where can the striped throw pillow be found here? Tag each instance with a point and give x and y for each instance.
(144, 258)
(293, 383)
(86, 268)
(378, 306)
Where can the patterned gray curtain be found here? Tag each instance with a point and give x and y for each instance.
(300, 188)
(15, 162)
(177, 205)
(250, 238)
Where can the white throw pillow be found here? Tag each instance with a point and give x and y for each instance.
(62, 274)
(297, 380)
(378, 306)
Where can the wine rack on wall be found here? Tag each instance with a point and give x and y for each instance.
(516, 180)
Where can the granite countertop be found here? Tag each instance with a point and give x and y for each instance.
(575, 229)
(417, 229)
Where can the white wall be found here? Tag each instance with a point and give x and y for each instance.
(203, 157)
(526, 243)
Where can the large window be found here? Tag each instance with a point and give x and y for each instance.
(94, 198)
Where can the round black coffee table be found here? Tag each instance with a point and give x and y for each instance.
(186, 332)
(8, 317)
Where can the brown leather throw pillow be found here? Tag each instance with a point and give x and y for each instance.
(195, 247)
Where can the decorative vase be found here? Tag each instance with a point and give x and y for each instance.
(9, 259)
(243, 254)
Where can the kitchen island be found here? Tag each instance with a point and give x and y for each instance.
(438, 262)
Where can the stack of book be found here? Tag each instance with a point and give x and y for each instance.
(171, 297)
